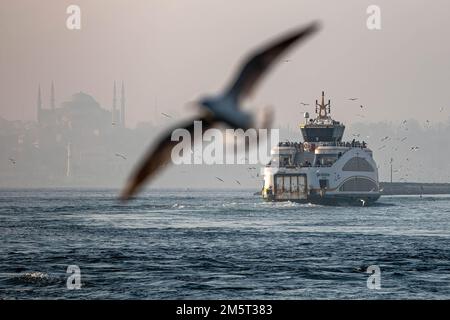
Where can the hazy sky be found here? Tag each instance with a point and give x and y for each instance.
(169, 52)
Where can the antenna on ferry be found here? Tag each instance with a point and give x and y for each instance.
(323, 109)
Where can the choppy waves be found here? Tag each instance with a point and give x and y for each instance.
(217, 245)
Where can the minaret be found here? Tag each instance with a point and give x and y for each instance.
(114, 106)
(52, 97)
(69, 155)
(39, 105)
(122, 106)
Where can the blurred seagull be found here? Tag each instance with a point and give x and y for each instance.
(304, 104)
(219, 179)
(353, 99)
(414, 148)
(121, 156)
(222, 108)
(13, 161)
(237, 181)
(166, 115)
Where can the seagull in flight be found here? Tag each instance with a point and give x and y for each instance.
(219, 179)
(121, 156)
(166, 115)
(223, 108)
(13, 161)
(237, 181)
(304, 104)
(353, 99)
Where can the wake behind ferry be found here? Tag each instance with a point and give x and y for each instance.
(323, 169)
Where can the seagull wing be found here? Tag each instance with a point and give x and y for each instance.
(259, 62)
(158, 156)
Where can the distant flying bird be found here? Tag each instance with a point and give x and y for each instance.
(222, 108)
(361, 106)
(353, 99)
(414, 148)
(237, 181)
(13, 161)
(304, 104)
(219, 179)
(121, 156)
(166, 115)
(404, 139)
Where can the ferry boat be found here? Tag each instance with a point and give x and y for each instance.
(322, 169)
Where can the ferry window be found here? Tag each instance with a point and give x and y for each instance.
(294, 183)
(279, 183)
(326, 160)
(290, 184)
(358, 164)
(359, 184)
(323, 183)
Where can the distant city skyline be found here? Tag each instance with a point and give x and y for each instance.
(165, 54)
(169, 53)
(117, 115)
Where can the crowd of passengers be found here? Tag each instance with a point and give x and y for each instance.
(311, 146)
